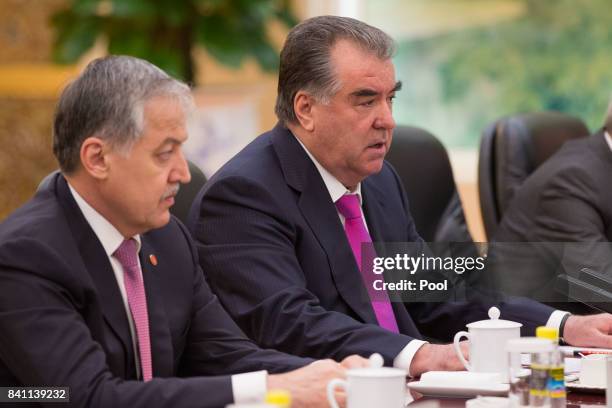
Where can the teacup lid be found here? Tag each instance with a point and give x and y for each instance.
(494, 322)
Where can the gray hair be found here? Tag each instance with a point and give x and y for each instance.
(107, 101)
(305, 62)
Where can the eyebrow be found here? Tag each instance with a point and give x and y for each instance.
(171, 140)
(371, 92)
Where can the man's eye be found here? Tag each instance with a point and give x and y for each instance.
(391, 98)
(368, 102)
(163, 156)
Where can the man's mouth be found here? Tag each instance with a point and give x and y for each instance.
(377, 146)
(169, 195)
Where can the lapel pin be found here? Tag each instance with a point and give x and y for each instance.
(153, 259)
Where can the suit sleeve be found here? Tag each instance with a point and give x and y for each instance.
(570, 211)
(216, 345)
(246, 244)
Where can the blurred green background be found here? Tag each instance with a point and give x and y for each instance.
(463, 63)
(548, 55)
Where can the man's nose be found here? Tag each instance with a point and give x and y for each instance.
(385, 117)
(181, 173)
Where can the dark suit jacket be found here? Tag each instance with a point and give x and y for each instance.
(276, 254)
(565, 207)
(63, 322)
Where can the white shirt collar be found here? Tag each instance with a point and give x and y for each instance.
(107, 234)
(608, 139)
(334, 186)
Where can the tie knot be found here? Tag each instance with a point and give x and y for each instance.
(348, 205)
(127, 253)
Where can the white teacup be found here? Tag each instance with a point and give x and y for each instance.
(593, 370)
(609, 381)
(487, 342)
(371, 387)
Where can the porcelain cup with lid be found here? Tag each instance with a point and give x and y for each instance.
(371, 387)
(487, 344)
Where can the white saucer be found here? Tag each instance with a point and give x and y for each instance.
(463, 391)
(459, 384)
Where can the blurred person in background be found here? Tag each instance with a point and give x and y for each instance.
(563, 215)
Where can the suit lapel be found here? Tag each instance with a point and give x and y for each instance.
(320, 213)
(373, 208)
(161, 340)
(96, 262)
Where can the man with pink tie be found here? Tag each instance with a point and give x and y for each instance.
(280, 225)
(100, 288)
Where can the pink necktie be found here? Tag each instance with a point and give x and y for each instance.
(127, 256)
(356, 232)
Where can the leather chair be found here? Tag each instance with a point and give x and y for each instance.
(182, 201)
(511, 148)
(423, 165)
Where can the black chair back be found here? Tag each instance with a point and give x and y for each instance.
(425, 170)
(511, 148)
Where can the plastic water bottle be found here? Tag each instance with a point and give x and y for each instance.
(528, 387)
(556, 370)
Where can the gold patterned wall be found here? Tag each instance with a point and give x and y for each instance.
(29, 85)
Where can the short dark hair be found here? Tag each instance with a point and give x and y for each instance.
(305, 58)
(107, 100)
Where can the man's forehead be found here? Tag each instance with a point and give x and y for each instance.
(356, 67)
(165, 122)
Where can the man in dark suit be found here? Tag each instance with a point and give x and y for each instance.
(101, 290)
(278, 227)
(562, 218)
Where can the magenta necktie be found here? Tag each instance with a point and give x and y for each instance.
(127, 255)
(356, 232)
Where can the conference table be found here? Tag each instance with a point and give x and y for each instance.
(574, 400)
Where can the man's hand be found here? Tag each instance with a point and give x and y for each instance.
(589, 331)
(437, 357)
(355, 361)
(308, 385)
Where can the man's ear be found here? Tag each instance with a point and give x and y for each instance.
(94, 157)
(303, 108)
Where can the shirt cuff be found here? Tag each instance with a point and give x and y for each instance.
(249, 387)
(404, 358)
(555, 319)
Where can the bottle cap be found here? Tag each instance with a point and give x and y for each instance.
(279, 398)
(549, 333)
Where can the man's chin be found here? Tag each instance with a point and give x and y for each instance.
(160, 221)
(375, 167)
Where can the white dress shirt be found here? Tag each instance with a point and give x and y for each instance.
(246, 387)
(336, 190)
